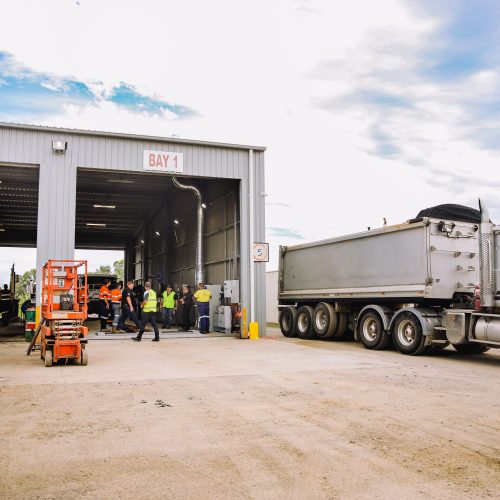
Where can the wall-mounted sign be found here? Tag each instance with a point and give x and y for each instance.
(261, 252)
(163, 161)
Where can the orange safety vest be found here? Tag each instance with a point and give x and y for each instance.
(116, 295)
(82, 296)
(104, 292)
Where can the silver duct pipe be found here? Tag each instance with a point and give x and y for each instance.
(199, 274)
(486, 264)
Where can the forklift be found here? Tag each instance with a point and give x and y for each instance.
(63, 310)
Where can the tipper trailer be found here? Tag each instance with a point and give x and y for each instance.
(426, 283)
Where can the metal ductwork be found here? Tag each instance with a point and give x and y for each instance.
(199, 274)
(486, 264)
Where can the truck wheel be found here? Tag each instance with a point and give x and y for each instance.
(324, 320)
(371, 331)
(407, 335)
(304, 322)
(472, 348)
(48, 358)
(341, 326)
(287, 319)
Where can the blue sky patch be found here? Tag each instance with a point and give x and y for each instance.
(126, 96)
(285, 232)
(466, 40)
(25, 93)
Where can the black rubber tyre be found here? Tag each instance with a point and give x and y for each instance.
(287, 319)
(371, 331)
(48, 358)
(84, 360)
(407, 335)
(341, 328)
(324, 320)
(472, 348)
(304, 323)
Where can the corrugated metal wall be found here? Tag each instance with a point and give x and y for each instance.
(57, 197)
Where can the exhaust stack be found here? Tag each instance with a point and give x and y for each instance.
(486, 264)
(199, 274)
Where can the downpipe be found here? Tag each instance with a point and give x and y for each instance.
(200, 219)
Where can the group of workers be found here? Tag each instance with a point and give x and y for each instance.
(128, 304)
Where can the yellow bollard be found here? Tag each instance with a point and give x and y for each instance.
(254, 331)
(244, 331)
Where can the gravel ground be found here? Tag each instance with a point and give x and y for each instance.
(228, 418)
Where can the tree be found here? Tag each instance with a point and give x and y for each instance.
(24, 286)
(103, 270)
(118, 269)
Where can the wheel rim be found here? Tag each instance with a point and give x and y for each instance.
(321, 320)
(407, 332)
(370, 329)
(303, 322)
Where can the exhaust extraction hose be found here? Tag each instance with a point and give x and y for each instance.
(199, 274)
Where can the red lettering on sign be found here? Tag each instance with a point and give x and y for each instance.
(152, 160)
(165, 159)
(158, 161)
(175, 160)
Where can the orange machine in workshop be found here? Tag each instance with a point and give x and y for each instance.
(64, 309)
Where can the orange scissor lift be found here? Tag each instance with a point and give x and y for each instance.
(64, 309)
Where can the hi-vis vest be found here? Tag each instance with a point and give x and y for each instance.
(151, 302)
(116, 295)
(168, 300)
(104, 292)
(203, 295)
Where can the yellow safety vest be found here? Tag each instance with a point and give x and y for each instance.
(151, 302)
(203, 295)
(168, 300)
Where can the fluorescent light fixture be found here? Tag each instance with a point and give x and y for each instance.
(121, 181)
(59, 146)
(204, 205)
(95, 224)
(104, 206)
(142, 241)
(176, 221)
(2, 230)
(157, 233)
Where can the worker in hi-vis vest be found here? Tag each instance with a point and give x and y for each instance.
(116, 302)
(168, 305)
(149, 306)
(203, 296)
(104, 303)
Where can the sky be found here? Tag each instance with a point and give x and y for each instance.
(368, 110)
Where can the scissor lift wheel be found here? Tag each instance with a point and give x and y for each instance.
(84, 360)
(48, 358)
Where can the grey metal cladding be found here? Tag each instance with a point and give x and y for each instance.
(32, 145)
(260, 236)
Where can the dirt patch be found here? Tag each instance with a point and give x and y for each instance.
(222, 418)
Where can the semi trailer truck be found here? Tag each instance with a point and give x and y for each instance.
(427, 283)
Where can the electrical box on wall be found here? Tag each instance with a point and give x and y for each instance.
(232, 291)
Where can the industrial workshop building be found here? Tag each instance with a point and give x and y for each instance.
(63, 189)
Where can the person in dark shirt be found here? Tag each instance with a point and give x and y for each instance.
(187, 303)
(138, 297)
(128, 307)
(5, 304)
